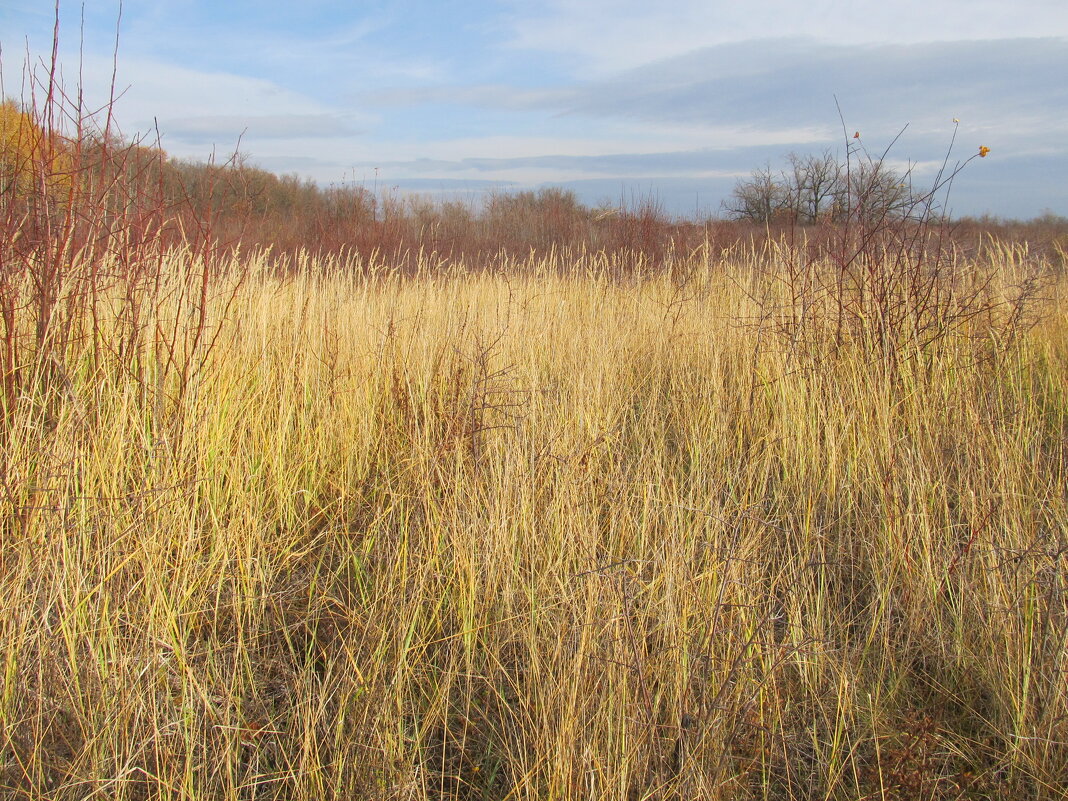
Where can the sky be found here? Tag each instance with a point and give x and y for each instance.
(618, 100)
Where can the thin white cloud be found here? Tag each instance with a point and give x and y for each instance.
(603, 37)
(193, 108)
(1010, 89)
(150, 88)
(352, 54)
(213, 129)
(492, 96)
(498, 147)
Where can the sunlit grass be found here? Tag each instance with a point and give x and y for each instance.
(541, 532)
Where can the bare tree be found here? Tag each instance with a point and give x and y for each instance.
(819, 187)
(760, 199)
(814, 183)
(876, 191)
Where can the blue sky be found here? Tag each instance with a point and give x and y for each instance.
(612, 98)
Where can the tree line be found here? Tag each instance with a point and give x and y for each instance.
(819, 187)
(46, 173)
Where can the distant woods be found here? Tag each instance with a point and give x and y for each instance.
(818, 188)
(236, 205)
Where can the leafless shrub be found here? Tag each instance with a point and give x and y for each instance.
(883, 271)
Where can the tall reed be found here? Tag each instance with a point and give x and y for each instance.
(530, 533)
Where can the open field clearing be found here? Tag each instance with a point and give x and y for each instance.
(542, 532)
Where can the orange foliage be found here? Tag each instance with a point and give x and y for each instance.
(32, 161)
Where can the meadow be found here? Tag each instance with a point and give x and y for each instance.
(309, 493)
(722, 527)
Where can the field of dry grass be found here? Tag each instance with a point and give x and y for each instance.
(538, 532)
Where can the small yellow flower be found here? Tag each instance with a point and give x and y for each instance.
(983, 150)
(956, 121)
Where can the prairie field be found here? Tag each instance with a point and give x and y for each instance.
(547, 530)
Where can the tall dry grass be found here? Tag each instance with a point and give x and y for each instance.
(534, 533)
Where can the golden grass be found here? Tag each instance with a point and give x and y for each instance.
(539, 533)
